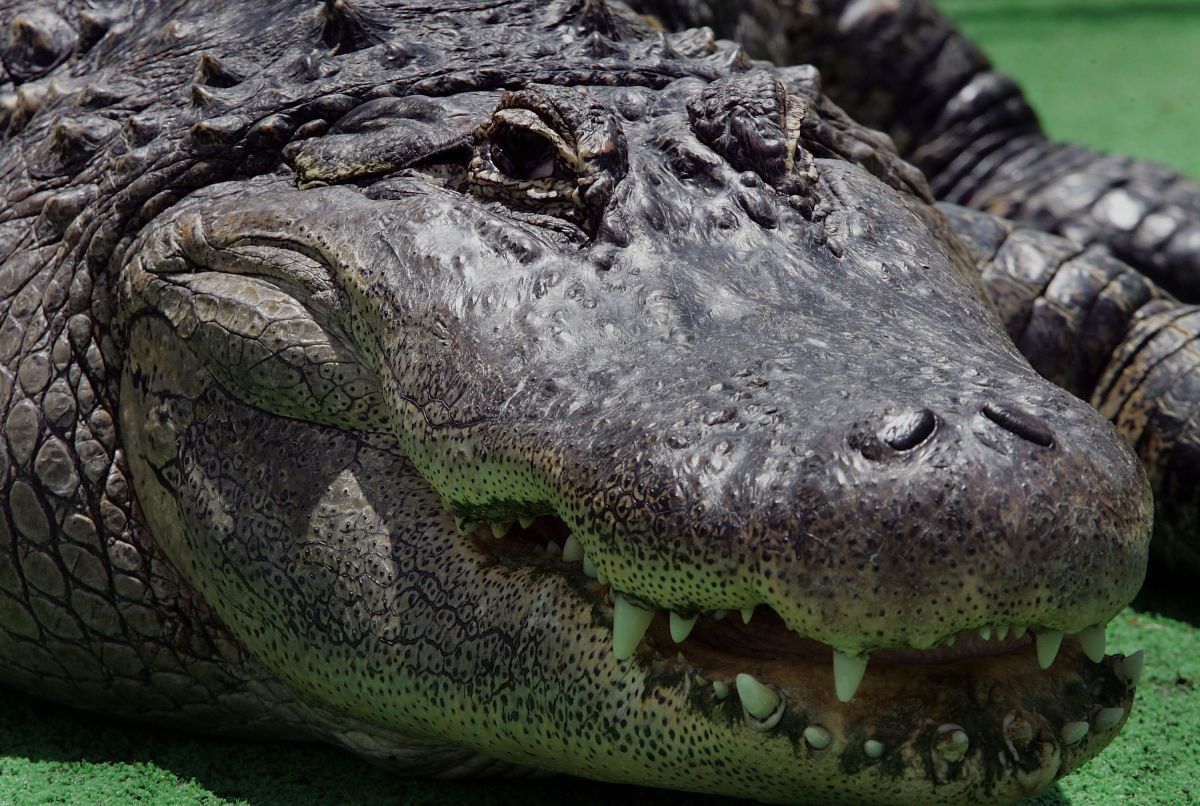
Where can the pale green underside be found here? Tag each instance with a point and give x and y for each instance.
(49, 755)
(1116, 75)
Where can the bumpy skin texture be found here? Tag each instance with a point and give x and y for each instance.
(287, 288)
(1096, 326)
(901, 66)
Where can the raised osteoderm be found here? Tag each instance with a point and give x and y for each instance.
(514, 386)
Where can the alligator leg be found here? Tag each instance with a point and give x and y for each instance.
(1101, 329)
(901, 66)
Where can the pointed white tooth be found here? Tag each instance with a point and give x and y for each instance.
(465, 526)
(629, 625)
(1073, 732)
(817, 737)
(552, 549)
(985, 633)
(1131, 667)
(680, 658)
(1001, 632)
(525, 521)
(1093, 640)
(848, 672)
(1019, 630)
(952, 742)
(1047, 647)
(747, 614)
(873, 748)
(589, 570)
(500, 528)
(1107, 717)
(720, 689)
(603, 580)
(572, 551)
(720, 614)
(760, 701)
(681, 627)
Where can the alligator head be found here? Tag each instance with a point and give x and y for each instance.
(666, 353)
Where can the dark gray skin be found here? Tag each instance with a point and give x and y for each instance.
(288, 289)
(900, 66)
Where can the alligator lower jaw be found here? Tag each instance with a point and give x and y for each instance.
(979, 715)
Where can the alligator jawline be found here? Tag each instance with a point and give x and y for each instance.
(939, 703)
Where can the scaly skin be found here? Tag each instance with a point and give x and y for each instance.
(901, 66)
(288, 289)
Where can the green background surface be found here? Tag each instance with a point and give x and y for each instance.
(1116, 75)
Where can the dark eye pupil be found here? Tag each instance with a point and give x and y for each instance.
(521, 154)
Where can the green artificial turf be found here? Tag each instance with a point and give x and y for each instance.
(1120, 75)
(1117, 75)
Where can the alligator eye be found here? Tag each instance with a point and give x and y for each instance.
(521, 161)
(552, 155)
(522, 154)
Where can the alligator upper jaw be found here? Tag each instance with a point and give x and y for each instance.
(980, 720)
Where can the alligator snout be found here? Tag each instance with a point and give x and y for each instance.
(1001, 503)
(910, 428)
(906, 431)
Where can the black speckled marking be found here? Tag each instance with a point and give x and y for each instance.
(287, 287)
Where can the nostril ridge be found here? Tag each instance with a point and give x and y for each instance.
(1021, 423)
(909, 430)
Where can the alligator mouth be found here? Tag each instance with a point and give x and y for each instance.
(1045, 703)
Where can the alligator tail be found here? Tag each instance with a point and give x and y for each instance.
(1151, 392)
(903, 67)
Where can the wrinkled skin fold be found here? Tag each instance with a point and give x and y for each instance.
(599, 402)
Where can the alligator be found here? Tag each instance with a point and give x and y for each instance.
(509, 388)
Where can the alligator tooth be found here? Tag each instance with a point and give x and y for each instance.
(572, 551)
(525, 521)
(1107, 717)
(589, 570)
(465, 526)
(1131, 667)
(1047, 647)
(1073, 732)
(603, 580)
(720, 689)
(1019, 631)
(817, 737)
(953, 742)
(681, 627)
(1001, 632)
(1092, 638)
(629, 625)
(747, 614)
(500, 528)
(848, 672)
(760, 701)
(873, 748)
(552, 549)
(680, 659)
(985, 633)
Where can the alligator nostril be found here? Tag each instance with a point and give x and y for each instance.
(907, 431)
(1021, 423)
